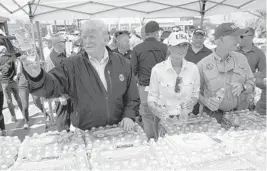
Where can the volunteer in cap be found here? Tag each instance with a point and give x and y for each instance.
(174, 83)
(144, 57)
(225, 76)
(123, 44)
(198, 50)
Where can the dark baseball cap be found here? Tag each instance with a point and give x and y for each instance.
(151, 27)
(226, 29)
(199, 32)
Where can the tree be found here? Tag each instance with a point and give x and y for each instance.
(259, 23)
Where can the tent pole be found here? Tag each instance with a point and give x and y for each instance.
(202, 13)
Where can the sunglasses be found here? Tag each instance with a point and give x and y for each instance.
(177, 88)
(175, 30)
(121, 33)
(242, 36)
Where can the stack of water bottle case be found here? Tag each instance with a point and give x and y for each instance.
(198, 144)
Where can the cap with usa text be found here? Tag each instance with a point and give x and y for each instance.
(227, 29)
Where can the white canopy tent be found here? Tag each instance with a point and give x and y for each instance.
(84, 9)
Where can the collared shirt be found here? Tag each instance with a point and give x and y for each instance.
(145, 56)
(256, 58)
(217, 73)
(191, 56)
(163, 79)
(100, 67)
(126, 54)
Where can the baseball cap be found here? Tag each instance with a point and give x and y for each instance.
(176, 39)
(226, 29)
(199, 31)
(151, 27)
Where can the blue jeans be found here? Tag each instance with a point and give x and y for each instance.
(9, 88)
(150, 121)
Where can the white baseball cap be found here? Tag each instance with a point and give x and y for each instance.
(175, 39)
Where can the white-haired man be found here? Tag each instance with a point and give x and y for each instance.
(100, 83)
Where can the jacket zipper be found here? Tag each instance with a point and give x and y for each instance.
(109, 89)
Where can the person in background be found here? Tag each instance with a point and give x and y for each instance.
(175, 81)
(196, 52)
(123, 43)
(255, 56)
(8, 70)
(134, 40)
(47, 46)
(77, 43)
(225, 76)
(100, 83)
(261, 83)
(64, 106)
(161, 30)
(144, 57)
(112, 42)
(165, 35)
(143, 33)
(2, 119)
(24, 96)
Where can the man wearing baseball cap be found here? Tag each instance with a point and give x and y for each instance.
(225, 76)
(144, 57)
(197, 51)
(174, 83)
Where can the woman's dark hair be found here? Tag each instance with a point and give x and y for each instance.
(165, 35)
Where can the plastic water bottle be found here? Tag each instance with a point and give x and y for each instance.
(220, 94)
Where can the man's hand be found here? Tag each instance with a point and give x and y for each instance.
(127, 124)
(213, 103)
(32, 68)
(236, 88)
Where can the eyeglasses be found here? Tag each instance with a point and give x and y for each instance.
(242, 36)
(118, 33)
(175, 30)
(177, 88)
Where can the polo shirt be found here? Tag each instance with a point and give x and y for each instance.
(191, 56)
(256, 58)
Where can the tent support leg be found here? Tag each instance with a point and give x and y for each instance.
(202, 13)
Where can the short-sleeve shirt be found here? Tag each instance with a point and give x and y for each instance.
(256, 58)
(217, 73)
(191, 56)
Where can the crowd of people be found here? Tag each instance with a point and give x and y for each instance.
(115, 77)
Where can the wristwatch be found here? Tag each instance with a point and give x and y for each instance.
(244, 86)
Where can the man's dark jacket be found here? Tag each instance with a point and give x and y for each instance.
(93, 105)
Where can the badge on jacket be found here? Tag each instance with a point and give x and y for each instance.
(121, 77)
(209, 66)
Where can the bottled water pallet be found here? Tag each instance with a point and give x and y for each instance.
(250, 145)
(9, 148)
(52, 151)
(196, 124)
(181, 151)
(141, 157)
(113, 137)
(244, 120)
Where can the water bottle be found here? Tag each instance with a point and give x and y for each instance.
(220, 94)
